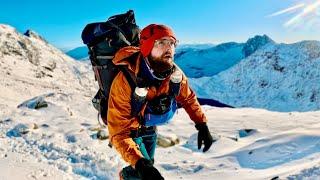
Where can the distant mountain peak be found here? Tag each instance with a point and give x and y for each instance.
(278, 77)
(255, 43)
(264, 38)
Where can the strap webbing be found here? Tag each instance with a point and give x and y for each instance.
(130, 76)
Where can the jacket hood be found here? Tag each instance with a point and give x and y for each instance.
(122, 58)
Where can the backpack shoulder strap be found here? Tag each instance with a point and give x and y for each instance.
(132, 79)
(130, 76)
(136, 105)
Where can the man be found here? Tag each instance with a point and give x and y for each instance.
(134, 137)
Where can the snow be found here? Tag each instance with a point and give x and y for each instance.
(59, 141)
(208, 62)
(284, 144)
(278, 77)
(196, 62)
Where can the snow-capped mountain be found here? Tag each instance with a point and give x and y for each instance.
(208, 62)
(27, 60)
(255, 43)
(211, 61)
(198, 60)
(279, 77)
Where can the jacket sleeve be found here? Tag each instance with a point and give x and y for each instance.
(120, 121)
(188, 100)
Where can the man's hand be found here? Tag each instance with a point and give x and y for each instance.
(204, 136)
(147, 171)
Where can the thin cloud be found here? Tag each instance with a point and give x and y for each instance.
(287, 10)
(301, 16)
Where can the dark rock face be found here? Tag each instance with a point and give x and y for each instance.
(255, 43)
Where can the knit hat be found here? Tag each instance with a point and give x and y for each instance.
(151, 33)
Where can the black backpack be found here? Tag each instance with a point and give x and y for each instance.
(103, 40)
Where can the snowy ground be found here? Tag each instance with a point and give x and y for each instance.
(64, 144)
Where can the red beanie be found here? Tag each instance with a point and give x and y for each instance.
(151, 33)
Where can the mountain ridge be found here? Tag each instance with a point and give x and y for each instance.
(279, 77)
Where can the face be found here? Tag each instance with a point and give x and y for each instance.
(162, 54)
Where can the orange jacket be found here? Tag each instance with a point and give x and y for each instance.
(120, 122)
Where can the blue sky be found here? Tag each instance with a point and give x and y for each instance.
(194, 21)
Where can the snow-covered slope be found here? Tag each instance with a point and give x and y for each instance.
(207, 62)
(211, 61)
(30, 65)
(64, 145)
(279, 77)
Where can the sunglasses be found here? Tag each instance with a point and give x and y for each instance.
(161, 43)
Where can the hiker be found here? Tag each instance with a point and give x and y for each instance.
(161, 87)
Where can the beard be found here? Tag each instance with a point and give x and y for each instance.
(162, 63)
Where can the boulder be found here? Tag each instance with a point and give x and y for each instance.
(167, 140)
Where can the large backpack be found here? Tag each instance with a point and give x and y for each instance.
(103, 40)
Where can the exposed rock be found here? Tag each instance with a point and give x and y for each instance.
(102, 134)
(35, 35)
(36, 102)
(246, 132)
(15, 44)
(35, 126)
(167, 141)
(18, 130)
(71, 138)
(45, 125)
(7, 120)
(50, 66)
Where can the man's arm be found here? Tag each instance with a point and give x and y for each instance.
(189, 102)
(120, 121)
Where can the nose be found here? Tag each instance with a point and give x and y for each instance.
(168, 49)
